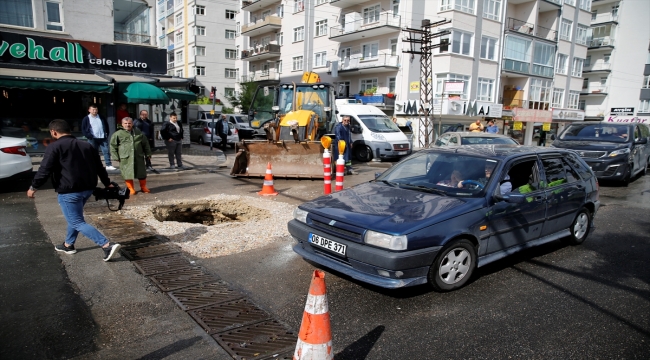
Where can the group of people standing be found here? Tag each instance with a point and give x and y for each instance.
(478, 127)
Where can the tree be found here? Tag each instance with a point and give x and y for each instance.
(204, 100)
(244, 97)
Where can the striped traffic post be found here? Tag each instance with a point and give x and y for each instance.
(340, 166)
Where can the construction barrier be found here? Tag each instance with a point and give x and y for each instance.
(327, 172)
(315, 337)
(267, 188)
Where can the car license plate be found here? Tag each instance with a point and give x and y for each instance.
(327, 244)
(402, 152)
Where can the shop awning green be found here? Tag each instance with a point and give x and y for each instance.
(53, 80)
(143, 93)
(179, 94)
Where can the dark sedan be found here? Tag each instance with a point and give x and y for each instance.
(437, 215)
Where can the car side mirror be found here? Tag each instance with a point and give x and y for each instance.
(641, 141)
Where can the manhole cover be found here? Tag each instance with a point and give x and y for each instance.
(208, 212)
(181, 278)
(226, 316)
(203, 295)
(162, 264)
(258, 341)
(148, 250)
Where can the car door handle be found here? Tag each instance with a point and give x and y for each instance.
(579, 186)
(539, 197)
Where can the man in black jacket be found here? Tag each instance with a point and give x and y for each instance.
(74, 166)
(146, 126)
(172, 133)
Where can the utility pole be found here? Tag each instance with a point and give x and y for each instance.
(421, 41)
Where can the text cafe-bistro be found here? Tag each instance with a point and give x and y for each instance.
(42, 79)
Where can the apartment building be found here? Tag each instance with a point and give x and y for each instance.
(199, 36)
(616, 84)
(520, 61)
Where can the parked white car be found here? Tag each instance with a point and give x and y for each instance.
(14, 161)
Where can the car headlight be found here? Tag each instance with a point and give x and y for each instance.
(376, 136)
(300, 215)
(619, 152)
(386, 241)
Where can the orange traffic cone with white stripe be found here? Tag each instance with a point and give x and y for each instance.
(268, 189)
(315, 337)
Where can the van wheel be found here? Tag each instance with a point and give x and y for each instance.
(453, 266)
(580, 227)
(363, 153)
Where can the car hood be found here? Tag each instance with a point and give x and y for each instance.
(388, 209)
(589, 145)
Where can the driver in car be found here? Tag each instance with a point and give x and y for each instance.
(456, 180)
(506, 185)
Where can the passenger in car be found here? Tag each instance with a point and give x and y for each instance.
(505, 186)
(456, 180)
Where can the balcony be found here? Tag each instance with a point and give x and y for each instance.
(516, 66)
(379, 100)
(141, 39)
(257, 5)
(262, 52)
(604, 18)
(342, 4)
(262, 26)
(170, 65)
(522, 27)
(599, 67)
(594, 90)
(170, 46)
(355, 64)
(261, 75)
(600, 43)
(360, 28)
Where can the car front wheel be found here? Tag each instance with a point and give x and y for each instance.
(453, 266)
(580, 227)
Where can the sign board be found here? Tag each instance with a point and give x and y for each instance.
(517, 125)
(211, 112)
(532, 115)
(546, 127)
(414, 87)
(407, 107)
(628, 119)
(568, 115)
(454, 87)
(625, 111)
(472, 108)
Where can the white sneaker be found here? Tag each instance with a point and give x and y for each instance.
(111, 167)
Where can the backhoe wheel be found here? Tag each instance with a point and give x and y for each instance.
(363, 153)
(453, 266)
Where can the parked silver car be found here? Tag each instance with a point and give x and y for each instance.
(472, 138)
(244, 130)
(201, 132)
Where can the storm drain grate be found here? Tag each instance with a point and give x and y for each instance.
(181, 278)
(230, 315)
(148, 250)
(162, 264)
(258, 341)
(122, 236)
(204, 295)
(144, 241)
(117, 222)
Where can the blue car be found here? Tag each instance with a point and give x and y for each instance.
(439, 214)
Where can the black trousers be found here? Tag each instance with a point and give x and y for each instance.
(224, 142)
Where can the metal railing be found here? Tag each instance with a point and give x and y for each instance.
(594, 89)
(604, 17)
(370, 22)
(260, 75)
(132, 38)
(523, 27)
(598, 66)
(259, 50)
(592, 43)
(268, 20)
(546, 71)
(516, 66)
(170, 65)
(359, 62)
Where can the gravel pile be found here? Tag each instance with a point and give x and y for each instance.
(257, 222)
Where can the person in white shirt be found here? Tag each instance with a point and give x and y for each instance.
(95, 129)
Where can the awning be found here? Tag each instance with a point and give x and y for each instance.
(142, 93)
(168, 81)
(53, 80)
(125, 79)
(180, 94)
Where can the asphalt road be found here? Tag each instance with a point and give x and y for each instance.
(555, 301)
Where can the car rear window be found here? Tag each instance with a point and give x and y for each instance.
(488, 140)
(597, 132)
(578, 165)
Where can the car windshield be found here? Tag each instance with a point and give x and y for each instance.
(441, 172)
(487, 140)
(596, 132)
(241, 119)
(379, 123)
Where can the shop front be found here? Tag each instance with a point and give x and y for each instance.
(42, 79)
(529, 125)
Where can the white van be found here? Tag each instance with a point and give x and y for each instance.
(374, 135)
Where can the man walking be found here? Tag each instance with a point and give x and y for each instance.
(172, 132)
(74, 166)
(95, 129)
(342, 132)
(146, 127)
(223, 130)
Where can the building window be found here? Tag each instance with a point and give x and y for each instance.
(584, 5)
(539, 94)
(280, 11)
(231, 54)
(391, 85)
(594, 15)
(369, 51)
(576, 69)
(231, 73)
(229, 92)
(460, 5)
(487, 47)
(585, 83)
(320, 59)
(201, 90)
(17, 13)
(441, 78)
(199, 70)
(587, 61)
(368, 84)
(199, 50)
(321, 28)
(461, 42)
(230, 34)
(200, 30)
(485, 89)
(574, 99)
(179, 73)
(565, 29)
(492, 9)
(543, 59)
(582, 104)
(581, 34)
(278, 66)
(614, 11)
(561, 64)
(53, 15)
(179, 56)
(371, 14)
(644, 106)
(646, 82)
(200, 9)
(179, 37)
(321, 2)
(517, 54)
(558, 98)
(606, 58)
(297, 63)
(395, 7)
(299, 33)
(230, 14)
(570, 2)
(179, 19)
(298, 5)
(279, 38)
(393, 47)
(603, 81)
(237, 29)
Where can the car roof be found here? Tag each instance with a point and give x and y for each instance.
(604, 123)
(500, 151)
(477, 134)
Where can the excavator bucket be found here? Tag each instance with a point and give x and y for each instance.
(303, 160)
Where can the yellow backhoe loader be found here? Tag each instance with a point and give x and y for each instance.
(293, 117)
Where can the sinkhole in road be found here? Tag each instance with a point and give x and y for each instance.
(208, 212)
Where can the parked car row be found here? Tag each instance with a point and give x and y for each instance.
(204, 132)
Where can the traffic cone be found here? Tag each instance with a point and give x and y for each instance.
(268, 189)
(315, 337)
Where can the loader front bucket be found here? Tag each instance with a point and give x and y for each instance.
(289, 159)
